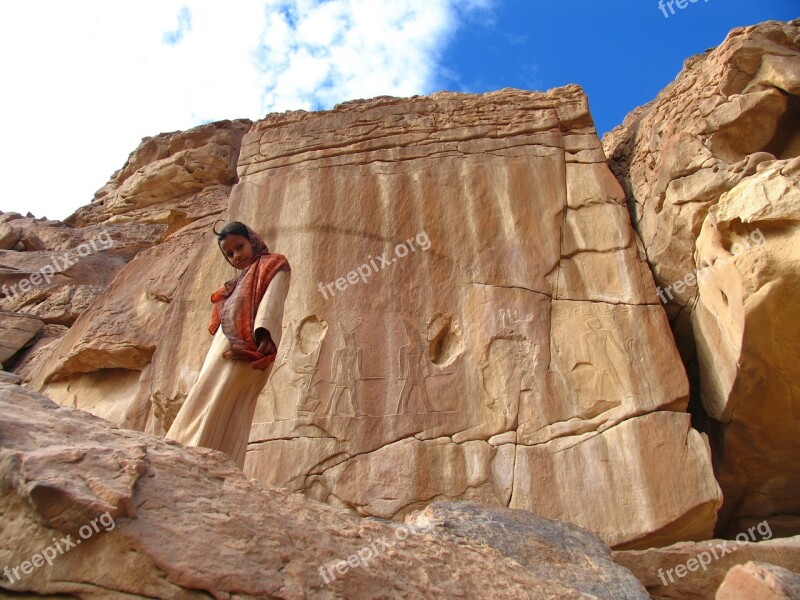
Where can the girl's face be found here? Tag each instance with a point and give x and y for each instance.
(238, 250)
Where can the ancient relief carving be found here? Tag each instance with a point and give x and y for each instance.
(508, 360)
(346, 371)
(304, 362)
(506, 371)
(413, 370)
(300, 356)
(508, 366)
(305, 383)
(638, 368)
(509, 322)
(280, 363)
(604, 356)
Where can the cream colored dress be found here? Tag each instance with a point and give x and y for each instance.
(219, 409)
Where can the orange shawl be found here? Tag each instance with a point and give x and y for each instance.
(236, 304)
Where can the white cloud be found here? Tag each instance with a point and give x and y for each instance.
(325, 54)
(184, 26)
(85, 81)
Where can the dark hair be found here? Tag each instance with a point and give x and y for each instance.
(232, 228)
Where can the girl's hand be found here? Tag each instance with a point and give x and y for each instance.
(264, 341)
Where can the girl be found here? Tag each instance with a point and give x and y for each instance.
(218, 411)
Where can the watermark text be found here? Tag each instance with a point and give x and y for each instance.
(57, 265)
(663, 5)
(58, 548)
(691, 278)
(363, 556)
(717, 551)
(366, 270)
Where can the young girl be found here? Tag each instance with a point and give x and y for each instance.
(218, 411)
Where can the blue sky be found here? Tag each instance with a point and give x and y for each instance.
(622, 53)
(85, 81)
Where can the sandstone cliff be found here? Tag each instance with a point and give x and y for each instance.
(508, 348)
(711, 168)
(477, 308)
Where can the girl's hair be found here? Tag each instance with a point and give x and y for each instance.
(232, 228)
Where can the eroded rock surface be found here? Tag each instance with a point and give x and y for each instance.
(152, 212)
(711, 169)
(16, 331)
(555, 551)
(56, 278)
(759, 581)
(500, 350)
(470, 317)
(173, 522)
(159, 181)
(713, 559)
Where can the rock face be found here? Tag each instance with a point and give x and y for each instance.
(713, 559)
(471, 314)
(92, 511)
(17, 331)
(470, 317)
(759, 581)
(172, 188)
(711, 169)
(499, 348)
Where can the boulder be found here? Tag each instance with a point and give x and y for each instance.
(91, 511)
(9, 236)
(759, 581)
(658, 568)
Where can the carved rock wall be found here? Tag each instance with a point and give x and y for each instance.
(471, 316)
(508, 347)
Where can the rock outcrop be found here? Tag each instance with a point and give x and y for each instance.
(147, 219)
(18, 329)
(50, 277)
(92, 511)
(162, 178)
(759, 581)
(63, 269)
(711, 170)
(704, 565)
(470, 317)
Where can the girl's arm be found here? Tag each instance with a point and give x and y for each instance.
(268, 324)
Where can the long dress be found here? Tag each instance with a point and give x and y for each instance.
(218, 412)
